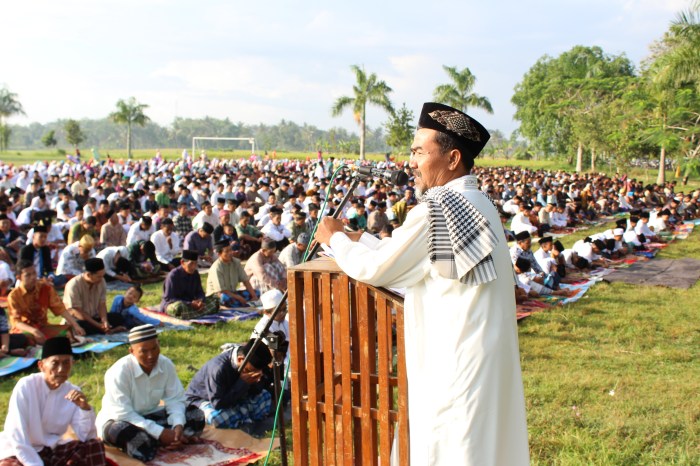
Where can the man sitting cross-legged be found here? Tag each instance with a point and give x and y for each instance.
(224, 276)
(42, 408)
(183, 295)
(29, 302)
(227, 397)
(132, 418)
(86, 298)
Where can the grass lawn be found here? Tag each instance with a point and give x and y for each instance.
(610, 380)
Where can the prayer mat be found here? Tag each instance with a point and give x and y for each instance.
(220, 447)
(673, 273)
(12, 364)
(228, 315)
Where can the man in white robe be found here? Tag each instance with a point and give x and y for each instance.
(466, 403)
(42, 408)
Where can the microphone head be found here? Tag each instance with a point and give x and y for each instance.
(399, 178)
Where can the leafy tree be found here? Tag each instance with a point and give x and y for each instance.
(9, 106)
(400, 130)
(129, 112)
(458, 94)
(367, 89)
(678, 61)
(560, 97)
(49, 139)
(74, 135)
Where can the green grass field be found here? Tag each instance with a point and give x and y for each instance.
(610, 380)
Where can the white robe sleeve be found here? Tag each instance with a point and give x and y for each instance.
(20, 413)
(396, 262)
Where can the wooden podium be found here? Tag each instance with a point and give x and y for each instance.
(348, 373)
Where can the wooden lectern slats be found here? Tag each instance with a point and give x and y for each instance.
(344, 383)
(327, 351)
(295, 304)
(383, 369)
(311, 295)
(403, 391)
(346, 370)
(365, 331)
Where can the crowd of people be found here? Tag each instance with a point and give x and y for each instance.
(77, 225)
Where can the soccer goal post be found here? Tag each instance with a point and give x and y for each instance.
(195, 139)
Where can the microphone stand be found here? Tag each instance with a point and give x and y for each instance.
(258, 339)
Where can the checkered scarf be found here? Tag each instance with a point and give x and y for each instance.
(460, 239)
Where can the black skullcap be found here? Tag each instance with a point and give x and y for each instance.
(644, 215)
(167, 221)
(57, 346)
(522, 236)
(91, 220)
(545, 239)
(665, 212)
(208, 228)
(220, 245)
(142, 333)
(621, 223)
(41, 228)
(260, 358)
(610, 244)
(581, 263)
(634, 219)
(558, 246)
(457, 124)
(220, 199)
(94, 264)
(522, 264)
(190, 255)
(599, 244)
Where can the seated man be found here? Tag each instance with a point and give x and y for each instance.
(248, 235)
(132, 418)
(73, 257)
(10, 240)
(39, 253)
(85, 297)
(294, 252)
(167, 245)
(183, 295)
(144, 262)
(28, 304)
(84, 227)
(42, 408)
(112, 233)
(266, 272)
(227, 397)
(117, 266)
(200, 241)
(275, 231)
(224, 276)
(270, 300)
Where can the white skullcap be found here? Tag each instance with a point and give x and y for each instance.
(270, 299)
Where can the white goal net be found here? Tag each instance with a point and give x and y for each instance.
(200, 143)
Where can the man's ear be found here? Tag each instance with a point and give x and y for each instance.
(455, 159)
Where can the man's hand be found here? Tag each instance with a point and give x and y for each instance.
(78, 330)
(173, 438)
(251, 377)
(326, 228)
(197, 304)
(79, 399)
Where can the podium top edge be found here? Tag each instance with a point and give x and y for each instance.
(322, 264)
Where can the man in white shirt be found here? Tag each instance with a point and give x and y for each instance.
(167, 244)
(42, 408)
(276, 231)
(140, 231)
(206, 215)
(132, 418)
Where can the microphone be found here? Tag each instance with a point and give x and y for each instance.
(395, 177)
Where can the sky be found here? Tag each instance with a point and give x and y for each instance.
(264, 61)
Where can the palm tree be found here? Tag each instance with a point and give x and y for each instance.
(679, 62)
(9, 106)
(129, 112)
(459, 93)
(367, 89)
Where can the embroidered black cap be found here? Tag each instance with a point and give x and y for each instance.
(457, 124)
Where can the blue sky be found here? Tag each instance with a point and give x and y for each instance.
(270, 60)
